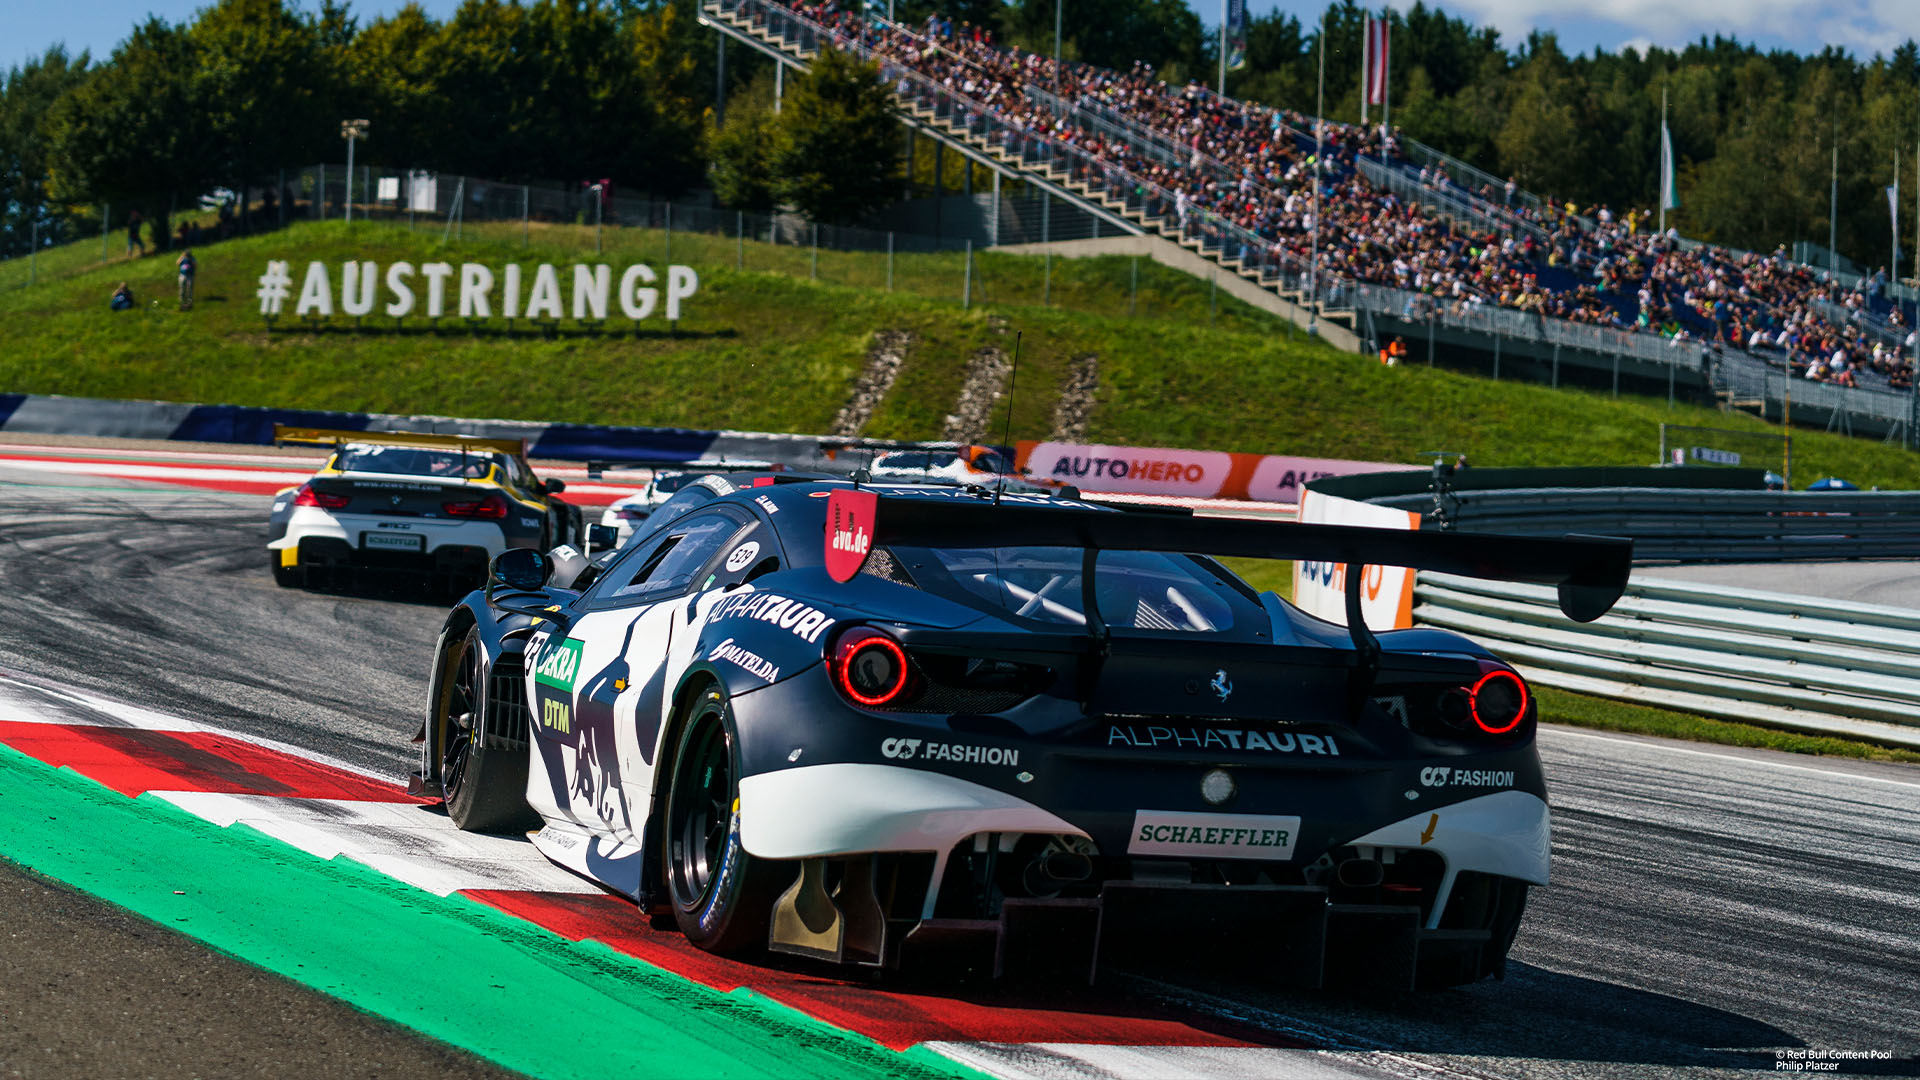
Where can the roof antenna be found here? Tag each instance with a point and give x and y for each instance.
(1006, 430)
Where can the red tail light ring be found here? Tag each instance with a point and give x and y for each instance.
(870, 668)
(309, 497)
(1498, 701)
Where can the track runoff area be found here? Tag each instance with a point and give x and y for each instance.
(1685, 935)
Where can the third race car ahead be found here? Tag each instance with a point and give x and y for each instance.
(440, 504)
(920, 727)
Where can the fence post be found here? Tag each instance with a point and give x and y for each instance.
(1556, 365)
(106, 212)
(1430, 321)
(1133, 285)
(33, 254)
(669, 232)
(996, 208)
(966, 281)
(1496, 354)
(889, 262)
(320, 192)
(1616, 374)
(813, 258)
(1046, 281)
(526, 215)
(1213, 296)
(739, 239)
(1670, 366)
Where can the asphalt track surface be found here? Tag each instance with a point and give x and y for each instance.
(1711, 911)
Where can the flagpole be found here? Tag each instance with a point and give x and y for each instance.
(1366, 64)
(1386, 84)
(1223, 48)
(1893, 267)
(1833, 210)
(1319, 123)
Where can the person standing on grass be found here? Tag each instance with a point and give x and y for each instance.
(133, 234)
(187, 266)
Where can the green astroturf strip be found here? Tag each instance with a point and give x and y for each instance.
(453, 969)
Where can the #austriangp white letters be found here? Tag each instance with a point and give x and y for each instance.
(588, 300)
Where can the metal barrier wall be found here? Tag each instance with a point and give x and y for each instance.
(1702, 525)
(1797, 662)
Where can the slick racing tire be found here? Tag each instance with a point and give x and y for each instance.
(287, 577)
(483, 775)
(722, 897)
(1479, 902)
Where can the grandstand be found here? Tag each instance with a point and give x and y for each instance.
(1410, 242)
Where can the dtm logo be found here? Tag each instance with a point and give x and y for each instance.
(1222, 685)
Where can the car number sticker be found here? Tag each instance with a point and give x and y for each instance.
(1213, 836)
(742, 557)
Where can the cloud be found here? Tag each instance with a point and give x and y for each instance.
(1862, 26)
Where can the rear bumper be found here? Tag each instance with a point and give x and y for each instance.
(893, 832)
(356, 539)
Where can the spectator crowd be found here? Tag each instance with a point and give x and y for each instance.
(1244, 175)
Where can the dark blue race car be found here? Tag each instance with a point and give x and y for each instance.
(908, 727)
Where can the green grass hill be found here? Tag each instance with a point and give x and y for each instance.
(777, 345)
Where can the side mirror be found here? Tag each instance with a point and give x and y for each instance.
(518, 569)
(554, 487)
(602, 537)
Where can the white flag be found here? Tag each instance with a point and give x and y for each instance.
(1669, 186)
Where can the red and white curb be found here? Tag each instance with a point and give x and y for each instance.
(239, 473)
(334, 810)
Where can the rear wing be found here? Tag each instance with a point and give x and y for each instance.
(1588, 572)
(283, 434)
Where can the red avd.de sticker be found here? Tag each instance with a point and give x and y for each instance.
(850, 516)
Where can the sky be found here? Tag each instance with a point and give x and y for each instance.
(1864, 27)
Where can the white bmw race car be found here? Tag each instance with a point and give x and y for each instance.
(443, 504)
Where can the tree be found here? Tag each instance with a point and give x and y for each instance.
(837, 143)
(741, 150)
(264, 93)
(26, 94)
(133, 132)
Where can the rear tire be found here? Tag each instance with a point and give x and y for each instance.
(482, 775)
(287, 577)
(722, 897)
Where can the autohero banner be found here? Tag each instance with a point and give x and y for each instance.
(590, 293)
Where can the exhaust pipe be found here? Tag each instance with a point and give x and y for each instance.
(1053, 869)
(1360, 874)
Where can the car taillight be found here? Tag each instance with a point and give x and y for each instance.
(870, 668)
(494, 506)
(309, 497)
(1498, 702)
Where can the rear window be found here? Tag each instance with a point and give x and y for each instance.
(409, 461)
(1136, 590)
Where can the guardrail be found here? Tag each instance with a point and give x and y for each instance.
(1798, 662)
